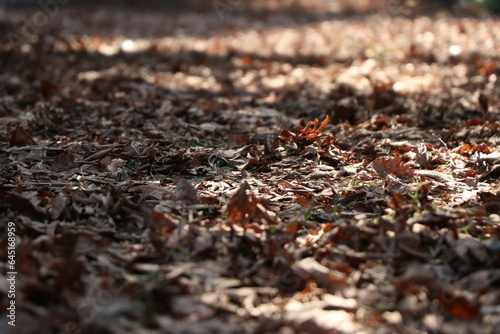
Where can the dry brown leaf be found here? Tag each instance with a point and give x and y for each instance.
(244, 208)
(394, 166)
(185, 191)
(20, 137)
(310, 269)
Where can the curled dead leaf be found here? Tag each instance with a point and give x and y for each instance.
(244, 208)
(20, 137)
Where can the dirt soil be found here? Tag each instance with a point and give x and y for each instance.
(249, 169)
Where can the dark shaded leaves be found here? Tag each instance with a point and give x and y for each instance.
(20, 137)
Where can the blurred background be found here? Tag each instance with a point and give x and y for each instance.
(457, 6)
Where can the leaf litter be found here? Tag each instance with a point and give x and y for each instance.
(181, 173)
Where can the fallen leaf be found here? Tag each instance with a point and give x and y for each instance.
(244, 208)
(394, 166)
(185, 191)
(20, 137)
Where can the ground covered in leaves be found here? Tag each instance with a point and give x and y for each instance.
(250, 170)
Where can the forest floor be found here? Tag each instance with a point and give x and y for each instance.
(249, 170)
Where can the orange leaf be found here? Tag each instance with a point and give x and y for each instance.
(458, 307)
(237, 205)
(293, 228)
(386, 166)
(324, 123)
(302, 200)
(312, 129)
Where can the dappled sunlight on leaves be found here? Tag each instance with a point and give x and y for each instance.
(276, 168)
